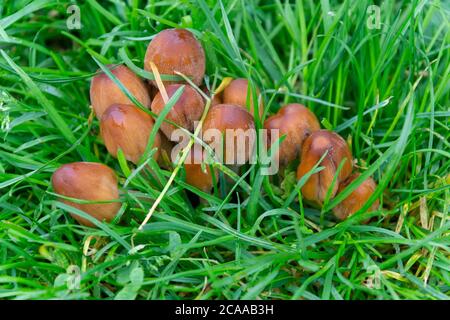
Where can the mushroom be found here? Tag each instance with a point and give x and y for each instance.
(236, 93)
(88, 181)
(196, 175)
(104, 92)
(316, 187)
(188, 109)
(128, 128)
(357, 198)
(296, 122)
(176, 50)
(225, 124)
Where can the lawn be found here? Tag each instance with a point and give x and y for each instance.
(377, 73)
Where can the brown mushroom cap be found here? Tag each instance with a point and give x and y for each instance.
(176, 50)
(296, 122)
(128, 128)
(232, 117)
(357, 198)
(188, 109)
(88, 181)
(236, 93)
(316, 187)
(104, 92)
(195, 175)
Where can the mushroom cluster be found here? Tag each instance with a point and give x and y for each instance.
(317, 147)
(127, 126)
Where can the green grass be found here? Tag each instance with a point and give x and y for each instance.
(384, 90)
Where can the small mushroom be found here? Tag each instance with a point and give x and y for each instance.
(176, 50)
(104, 92)
(296, 122)
(88, 181)
(314, 147)
(236, 93)
(357, 198)
(188, 109)
(196, 176)
(231, 127)
(128, 128)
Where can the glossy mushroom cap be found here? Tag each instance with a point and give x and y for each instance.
(104, 92)
(296, 122)
(357, 198)
(195, 175)
(236, 93)
(88, 181)
(176, 50)
(128, 128)
(225, 122)
(316, 187)
(188, 109)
